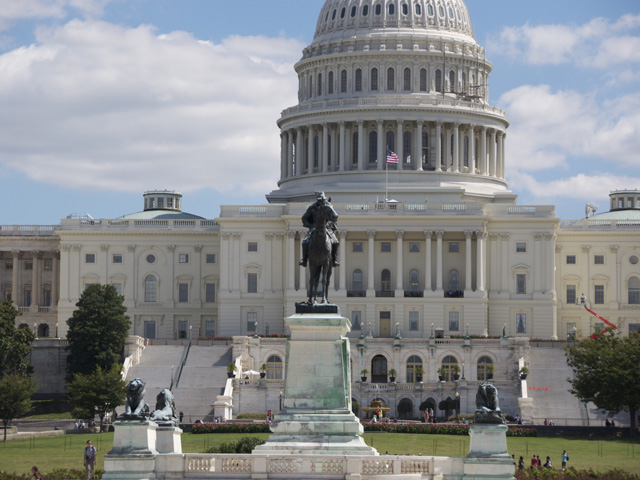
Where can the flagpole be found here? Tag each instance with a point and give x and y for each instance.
(386, 179)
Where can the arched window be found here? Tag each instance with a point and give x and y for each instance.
(439, 81)
(413, 363)
(365, 10)
(385, 280)
(330, 83)
(274, 368)
(391, 141)
(373, 147)
(423, 79)
(379, 369)
(450, 366)
(407, 80)
(354, 9)
(452, 82)
(391, 79)
(150, 288)
(378, 9)
(392, 9)
(406, 146)
(342, 12)
(453, 280)
(464, 82)
(414, 280)
(405, 408)
(358, 80)
(374, 79)
(405, 9)
(485, 366)
(430, 10)
(354, 149)
(343, 81)
(418, 9)
(356, 280)
(43, 330)
(319, 85)
(634, 291)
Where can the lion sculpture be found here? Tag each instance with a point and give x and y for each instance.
(135, 408)
(165, 412)
(487, 405)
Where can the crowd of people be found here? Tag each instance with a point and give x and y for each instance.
(536, 462)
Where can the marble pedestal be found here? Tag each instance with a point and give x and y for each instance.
(488, 457)
(134, 451)
(316, 416)
(168, 439)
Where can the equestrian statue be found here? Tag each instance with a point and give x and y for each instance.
(320, 246)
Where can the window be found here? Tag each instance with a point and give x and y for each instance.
(633, 260)
(343, 81)
(521, 323)
(183, 292)
(356, 320)
(406, 149)
(598, 294)
(391, 141)
(634, 291)
(358, 80)
(48, 264)
(392, 9)
(406, 84)
(521, 247)
(210, 292)
(378, 9)
(252, 247)
(418, 9)
(385, 280)
(391, 79)
(430, 10)
(414, 247)
(274, 368)
(439, 81)
(354, 150)
(598, 259)
(454, 283)
(46, 296)
(183, 327)
(454, 247)
(319, 85)
(252, 283)
(150, 288)
(373, 147)
(454, 321)
(365, 10)
(330, 83)
(374, 79)
(211, 258)
(423, 79)
(116, 258)
(449, 364)
(116, 285)
(210, 328)
(405, 9)
(571, 259)
(634, 328)
(151, 258)
(521, 283)
(485, 366)
(356, 280)
(414, 321)
(414, 280)
(357, 247)
(354, 10)
(88, 258)
(28, 264)
(385, 247)
(571, 294)
(252, 321)
(27, 297)
(183, 258)
(8, 265)
(413, 362)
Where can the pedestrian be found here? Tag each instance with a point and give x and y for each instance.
(35, 474)
(521, 463)
(181, 415)
(90, 459)
(565, 459)
(547, 464)
(539, 463)
(534, 462)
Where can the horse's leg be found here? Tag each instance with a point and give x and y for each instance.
(316, 282)
(310, 290)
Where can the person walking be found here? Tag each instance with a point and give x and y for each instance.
(90, 459)
(521, 463)
(181, 415)
(565, 459)
(35, 474)
(547, 464)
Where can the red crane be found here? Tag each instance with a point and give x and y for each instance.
(595, 335)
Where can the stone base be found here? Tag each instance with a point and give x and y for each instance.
(488, 469)
(134, 438)
(129, 467)
(317, 308)
(168, 439)
(526, 409)
(488, 441)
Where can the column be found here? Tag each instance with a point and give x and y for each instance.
(399, 260)
(400, 144)
(456, 147)
(283, 152)
(342, 153)
(343, 262)
(236, 262)
(310, 150)
(492, 166)
(290, 154)
(268, 249)
(427, 264)
(55, 278)
(382, 152)
(499, 155)
(504, 256)
(17, 256)
(483, 151)
(538, 260)
(36, 280)
(370, 264)
(361, 165)
(480, 236)
(291, 272)
(439, 234)
(438, 146)
(503, 139)
(448, 167)
(224, 262)
(493, 245)
(468, 273)
(550, 284)
(299, 155)
(325, 148)
(420, 147)
(472, 149)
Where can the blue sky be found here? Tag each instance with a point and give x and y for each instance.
(103, 99)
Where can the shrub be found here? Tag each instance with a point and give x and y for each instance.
(245, 445)
(440, 429)
(252, 416)
(59, 474)
(573, 474)
(230, 428)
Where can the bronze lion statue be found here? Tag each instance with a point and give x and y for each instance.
(165, 411)
(135, 408)
(488, 405)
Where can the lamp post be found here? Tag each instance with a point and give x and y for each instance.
(35, 330)
(280, 400)
(255, 330)
(463, 371)
(467, 334)
(457, 406)
(190, 328)
(431, 330)
(57, 330)
(397, 331)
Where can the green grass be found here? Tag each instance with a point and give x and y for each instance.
(66, 451)
(51, 416)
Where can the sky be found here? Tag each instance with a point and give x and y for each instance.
(101, 100)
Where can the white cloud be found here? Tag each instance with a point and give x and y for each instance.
(97, 106)
(12, 10)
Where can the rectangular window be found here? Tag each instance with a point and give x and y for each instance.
(385, 247)
(414, 247)
(183, 326)
(28, 264)
(521, 247)
(210, 292)
(90, 258)
(571, 259)
(183, 258)
(521, 283)
(356, 320)
(252, 247)
(599, 294)
(48, 264)
(161, 203)
(252, 320)
(117, 258)
(385, 315)
(27, 298)
(210, 328)
(454, 247)
(571, 330)
(357, 247)
(598, 259)
(211, 258)
(46, 298)
(252, 283)
(571, 294)
(634, 328)
(414, 321)
(521, 323)
(183, 292)
(454, 321)
(598, 327)
(7, 295)
(118, 287)
(8, 265)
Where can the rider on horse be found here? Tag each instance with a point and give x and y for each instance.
(309, 221)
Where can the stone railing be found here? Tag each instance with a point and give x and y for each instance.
(590, 225)
(130, 224)
(536, 211)
(29, 230)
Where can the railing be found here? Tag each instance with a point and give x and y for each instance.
(130, 224)
(356, 293)
(28, 230)
(175, 380)
(413, 294)
(385, 293)
(589, 224)
(452, 294)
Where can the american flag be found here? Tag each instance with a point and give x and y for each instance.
(391, 157)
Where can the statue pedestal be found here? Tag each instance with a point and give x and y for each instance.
(168, 439)
(488, 456)
(316, 416)
(134, 451)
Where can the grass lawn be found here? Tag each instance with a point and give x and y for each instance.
(66, 451)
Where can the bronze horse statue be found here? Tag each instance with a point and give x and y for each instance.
(320, 259)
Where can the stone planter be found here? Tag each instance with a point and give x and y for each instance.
(441, 378)
(263, 374)
(364, 379)
(456, 376)
(392, 379)
(230, 374)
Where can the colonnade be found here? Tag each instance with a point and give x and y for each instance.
(20, 277)
(461, 148)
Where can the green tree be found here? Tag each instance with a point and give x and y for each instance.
(605, 372)
(15, 343)
(97, 330)
(97, 393)
(404, 407)
(15, 397)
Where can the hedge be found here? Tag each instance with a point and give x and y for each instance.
(60, 474)
(440, 429)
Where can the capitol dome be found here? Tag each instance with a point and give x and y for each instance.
(387, 78)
